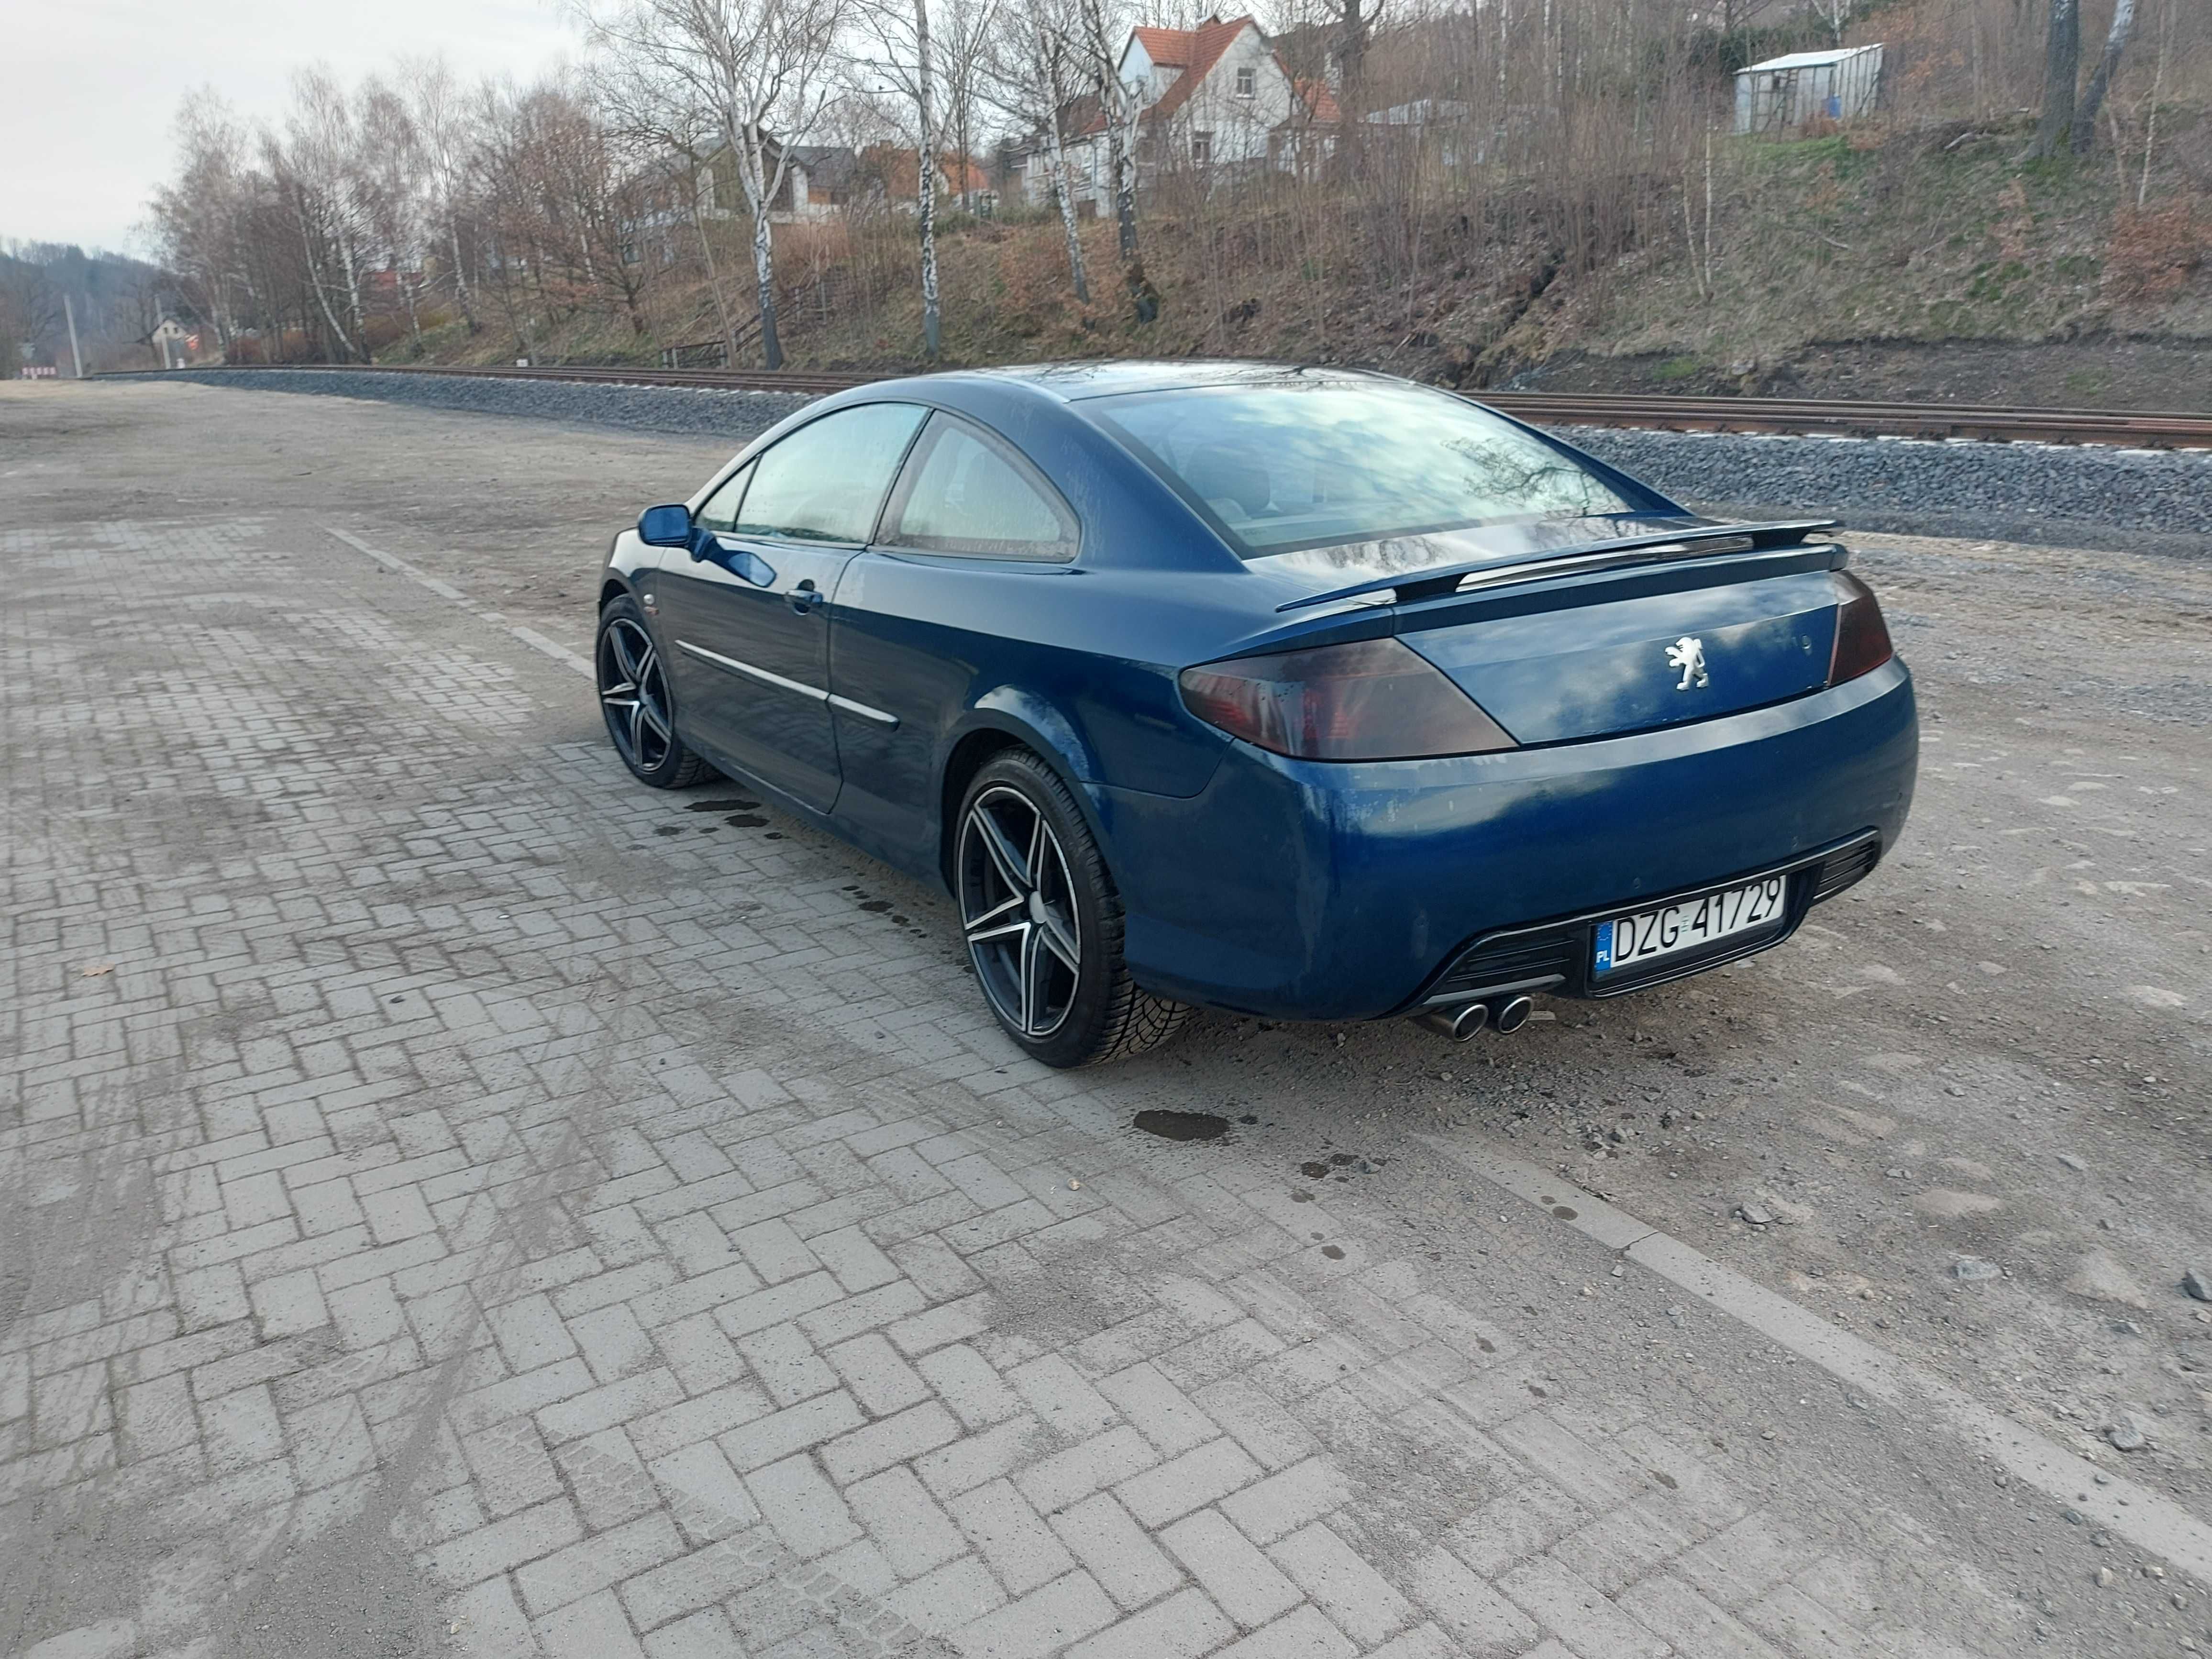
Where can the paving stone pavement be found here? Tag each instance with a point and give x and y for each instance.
(457, 1204)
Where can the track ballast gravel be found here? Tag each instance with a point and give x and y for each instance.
(2076, 497)
(737, 416)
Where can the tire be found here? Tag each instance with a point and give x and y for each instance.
(634, 697)
(1044, 924)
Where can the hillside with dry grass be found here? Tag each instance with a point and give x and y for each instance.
(1881, 246)
(1541, 191)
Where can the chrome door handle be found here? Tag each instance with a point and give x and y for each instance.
(805, 598)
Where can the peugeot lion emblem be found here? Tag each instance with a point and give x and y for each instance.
(1688, 654)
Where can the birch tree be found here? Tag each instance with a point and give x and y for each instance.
(2092, 100)
(1032, 66)
(434, 104)
(315, 165)
(916, 62)
(763, 68)
(1118, 108)
(1051, 63)
(393, 168)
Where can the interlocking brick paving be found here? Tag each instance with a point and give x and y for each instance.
(417, 1131)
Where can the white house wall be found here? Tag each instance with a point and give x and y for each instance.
(1239, 127)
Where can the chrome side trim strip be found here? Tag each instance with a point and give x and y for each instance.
(765, 678)
(751, 672)
(862, 709)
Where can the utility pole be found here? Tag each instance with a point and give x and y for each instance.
(68, 310)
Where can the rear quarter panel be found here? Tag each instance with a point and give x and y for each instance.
(1078, 660)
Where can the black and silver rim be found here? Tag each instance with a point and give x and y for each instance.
(634, 695)
(1017, 909)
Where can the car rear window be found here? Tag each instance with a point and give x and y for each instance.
(1289, 467)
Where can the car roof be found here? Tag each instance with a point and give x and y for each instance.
(1076, 382)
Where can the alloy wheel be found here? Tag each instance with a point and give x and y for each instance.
(1018, 910)
(634, 695)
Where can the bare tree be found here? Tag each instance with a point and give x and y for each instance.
(30, 307)
(392, 173)
(437, 110)
(911, 59)
(1052, 65)
(316, 167)
(2101, 82)
(201, 220)
(761, 67)
(1118, 108)
(2061, 55)
(1355, 23)
(963, 35)
(1028, 72)
(676, 143)
(2157, 87)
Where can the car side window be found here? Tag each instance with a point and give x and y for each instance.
(721, 510)
(965, 492)
(824, 482)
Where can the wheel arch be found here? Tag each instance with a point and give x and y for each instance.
(1006, 721)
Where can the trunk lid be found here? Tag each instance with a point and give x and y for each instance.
(1605, 666)
(1570, 630)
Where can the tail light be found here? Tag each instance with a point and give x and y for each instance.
(1861, 636)
(1368, 700)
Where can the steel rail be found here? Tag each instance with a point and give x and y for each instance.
(1980, 422)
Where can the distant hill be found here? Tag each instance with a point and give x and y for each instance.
(118, 300)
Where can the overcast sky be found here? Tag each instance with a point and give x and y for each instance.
(93, 85)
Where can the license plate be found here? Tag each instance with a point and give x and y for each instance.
(1649, 936)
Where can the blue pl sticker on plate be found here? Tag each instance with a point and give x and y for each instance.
(1604, 964)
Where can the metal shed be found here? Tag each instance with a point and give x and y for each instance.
(1785, 92)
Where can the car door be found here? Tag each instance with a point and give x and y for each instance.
(972, 533)
(748, 613)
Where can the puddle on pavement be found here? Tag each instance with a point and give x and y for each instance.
(1314, 1171)
(745, 820)
(729, 804)
(1333, 1252)
(1181, 1126)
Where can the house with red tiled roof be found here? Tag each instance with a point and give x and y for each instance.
(1214, 101)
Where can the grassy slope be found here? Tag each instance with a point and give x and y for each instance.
(1866, 238)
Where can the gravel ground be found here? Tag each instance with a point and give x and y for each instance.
(737, 415)
(2130, 501)
(2043, 494)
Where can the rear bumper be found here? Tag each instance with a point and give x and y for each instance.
(1302, 891)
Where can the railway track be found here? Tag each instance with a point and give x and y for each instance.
(1986, 424)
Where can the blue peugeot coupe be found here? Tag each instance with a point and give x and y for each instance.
(1309, 693)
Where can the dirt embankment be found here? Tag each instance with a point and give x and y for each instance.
(1915, 263)
(2102, 372)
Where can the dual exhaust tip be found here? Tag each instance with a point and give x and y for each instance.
(1465, 1020)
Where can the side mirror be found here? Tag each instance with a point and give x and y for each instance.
(665, 526)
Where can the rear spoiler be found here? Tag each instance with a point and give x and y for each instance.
(1590, 555)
